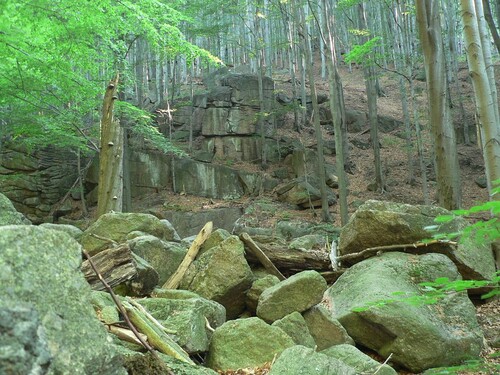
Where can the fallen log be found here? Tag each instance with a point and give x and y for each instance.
(290, 261)
(116, 265)
(261, 256)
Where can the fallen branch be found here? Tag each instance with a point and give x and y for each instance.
(174, 280)
(261, 256)
(159, 339)
(367, 253)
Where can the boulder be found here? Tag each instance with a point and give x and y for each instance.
(116, 226)
(67, 228)
(309, 242)
(419, 336)
(143, 283)
(301, 360)
(258, 286)
(295, 326)
(8, 214)
(362, 363)
(377, 223)
(221, 274)
(301, 192)
(297, 293)
(245, 343)
(164, 257)
(39, 272)
(188, 318)
(325, 329)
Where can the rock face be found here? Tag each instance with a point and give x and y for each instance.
(8, 214)
(44, 292)
(419, 336)
(297, 293)
(377, 223)
(221, 274)
(245, 343)
(36, 180)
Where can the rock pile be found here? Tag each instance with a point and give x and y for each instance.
(227, 314)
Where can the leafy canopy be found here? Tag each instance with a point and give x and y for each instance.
(58, 55)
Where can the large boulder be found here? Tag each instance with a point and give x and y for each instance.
(44, 296)
(297, 293)
(188, 318)
(377, 223)
(116, 227)
(67, 228)
(8, 214)
(419, 336)
(302, 360)
(221, 274)
(258, 286)
(245, 343)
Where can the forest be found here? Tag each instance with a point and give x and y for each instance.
(115, 112)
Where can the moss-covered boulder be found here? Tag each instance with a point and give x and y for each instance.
(297, 293)
(419, 336)
(246, 343)
(295, 326)
(8, 214)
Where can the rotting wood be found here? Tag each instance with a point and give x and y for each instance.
(261, 256)
(174, 280)
(116, 266)
(293, 260)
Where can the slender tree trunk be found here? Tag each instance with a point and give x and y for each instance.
(110, 188)
(447, 168)
(325, 209)
(491, 23)
(371, 93)
(337, 110)
(486, 106)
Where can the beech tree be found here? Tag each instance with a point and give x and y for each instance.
(446, 158)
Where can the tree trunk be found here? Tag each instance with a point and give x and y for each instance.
(110, 188)
(491, 23)
(485, 103)
(447, 168)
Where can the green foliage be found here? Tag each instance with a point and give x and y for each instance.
(57, 57)
(362, 53)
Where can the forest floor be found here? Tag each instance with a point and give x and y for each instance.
(395, 166)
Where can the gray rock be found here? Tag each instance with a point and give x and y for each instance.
(215, 239)
(355, 358)
(164, 257)
(444, 333)
(173, 294)
(258, 286)
(299, 360)
(295, 326)
(8, 214)
(326, 330)
(40, 267)
(297, 293)
(23, 345)
(245, 343)
(143, 283)
(377, 223)
(188, 318)
(116, 227)
(67, 228)
(221, 274)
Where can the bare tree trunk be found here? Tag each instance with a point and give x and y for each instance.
(486, 105)
(110, 188)
(491, 23)
(447, 168)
